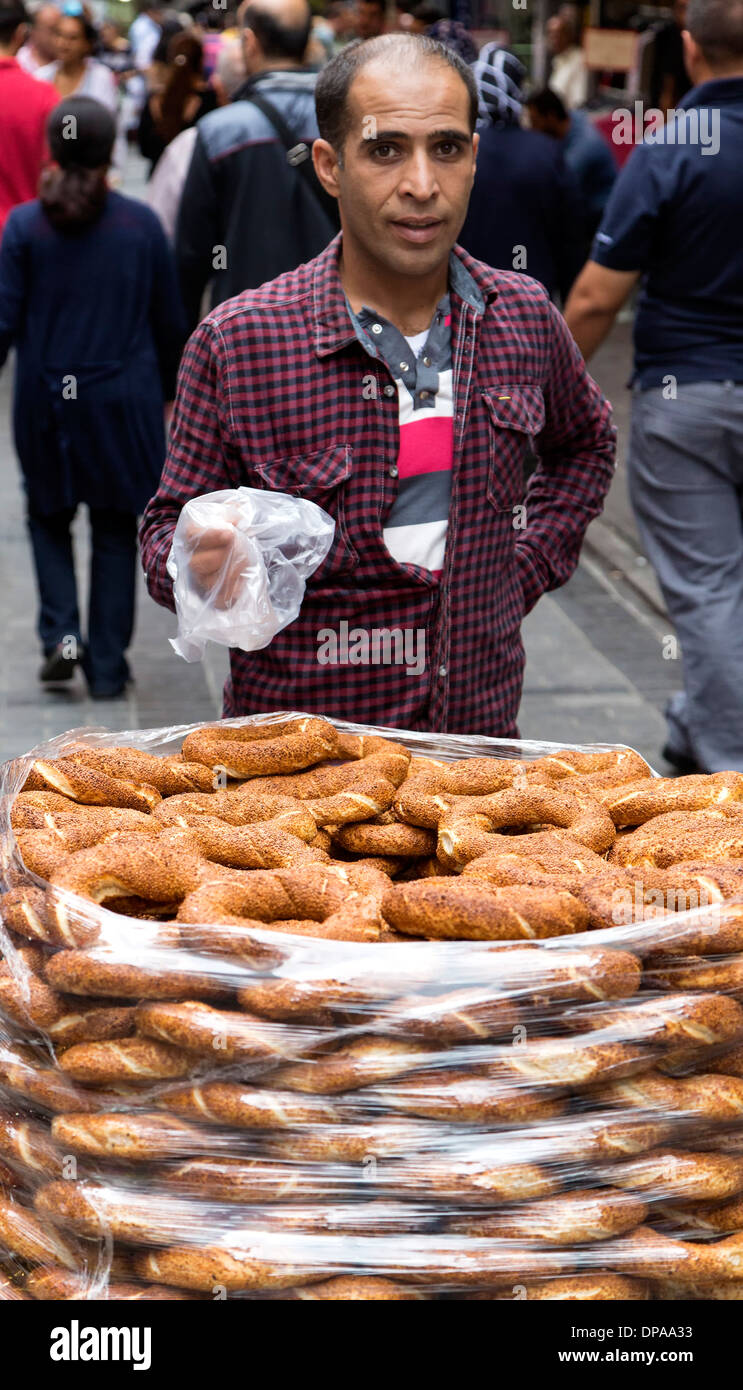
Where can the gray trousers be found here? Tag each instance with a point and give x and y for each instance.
(686, 485)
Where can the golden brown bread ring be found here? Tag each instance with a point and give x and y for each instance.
(261, 846)
(394, 839)
(100, 972)
(355, 1288)
(570, 1218)
(592, 1287)
(677, 836)
(692, 1020)
(729, 1064)
(43, 851)
(283, 812)
(206, 1268)
(23, 1234)
(461, 1097)
(27, 999)
(220, 1035)
(465, 1015)
(257, 750)
(654, 1256)
(170, 776)
(710, 1219)
(27, 911)
(365, 1062)
(129, 1214)
(697, 972)
(638, 802)
(470, 828)
(545, 855)
(26, 1143)
(450, 909)
(244, 1181)
(27, 807)
(60, 1285)
(243, 1107)
(429, 792)
(284, 999)
(571, 1062)
(9, 1291)
(101, 1024)
(352, 791)
(679, 1174)
(128, 1059)
(47, 1087)
(705, 1096)
(133, 1138)
(341, 903)
(351, 1143)
(158, 868)
(585, 770)
(74, 779)
(9, 1180)
(469, 1181)
(456, 1264)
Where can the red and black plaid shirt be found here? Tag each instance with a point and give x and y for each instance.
(276, 391)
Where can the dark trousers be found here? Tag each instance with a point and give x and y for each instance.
(112, 589)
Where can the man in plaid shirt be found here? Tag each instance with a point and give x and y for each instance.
(399, 383)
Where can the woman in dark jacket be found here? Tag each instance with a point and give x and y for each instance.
(89, 298)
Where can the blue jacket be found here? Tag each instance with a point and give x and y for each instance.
(98, 326)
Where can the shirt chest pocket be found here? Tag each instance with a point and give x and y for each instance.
(322, 477)
(516, 417)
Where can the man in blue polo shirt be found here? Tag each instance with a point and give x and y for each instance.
(675, 219)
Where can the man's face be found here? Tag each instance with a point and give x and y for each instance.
(72, 45)
(369, 20)
(408, 165)
(45, 33)
(557, 40)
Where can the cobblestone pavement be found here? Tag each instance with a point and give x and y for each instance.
(595, 652)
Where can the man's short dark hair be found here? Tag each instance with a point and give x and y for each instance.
(548, 104)
(12, 13)
(334, 82)
(717, 26)
(277, 40)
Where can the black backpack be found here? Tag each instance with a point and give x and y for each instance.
(298, 155)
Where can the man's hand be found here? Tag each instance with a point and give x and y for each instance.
(595, 300)
(215, 568)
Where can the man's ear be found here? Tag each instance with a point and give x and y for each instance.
(693, 57)
(250, 48)
(325, 161)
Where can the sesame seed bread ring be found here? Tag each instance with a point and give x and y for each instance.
(697, 1020)
(61, 1286)
(534, 975)
(729, 1064)
(79, 782)
(29, 808)
(591, 1287)
(170, 776)
(134, 1138)
(476, 1182)
(100, 972)
(462, 1098)
(685, 1176)
(262, 846)
(207, 1268)
(151, 867)
(240, 1107)
(705, 1096)
(562, 859)
(395, 839)
(98, 1209)
(222, 1036)
(457, 1264)
(648, 1253)
(696, 972)
(99, 1024)
(284, 999)
(429, 792)
(465, 1015)
(352, 1143)
(364, 1062)
(571, 1062)
(469, 828)
(719, 1219)
(130, 1059)
(613, 767)
(29, 1000)
(450, 909)
(340, 903)
(370, 759)
(283, 812)
(28, 911)
(47, 1087)
(638, 802)
(26, 1144)
(259, 750)
(568, 1219)
(26, 1237)
(244, 1181)
(715, 835)
(355, 1288)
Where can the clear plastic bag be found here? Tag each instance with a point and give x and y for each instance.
(268, 546)
(201, 1109)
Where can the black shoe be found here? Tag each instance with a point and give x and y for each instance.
(58, 666)
(684, 765)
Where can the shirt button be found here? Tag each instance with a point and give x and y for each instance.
(404, 366)
(426, 361)
(389, 391)
(442, 673)
(376, 328)
(393, 471)
(424, 395)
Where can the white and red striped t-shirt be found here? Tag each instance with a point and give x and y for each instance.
(415, 530)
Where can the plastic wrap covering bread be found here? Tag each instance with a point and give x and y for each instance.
(297, 1009)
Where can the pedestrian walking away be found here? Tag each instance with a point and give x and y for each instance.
(89, 298)
(399, 383)
(674, 220)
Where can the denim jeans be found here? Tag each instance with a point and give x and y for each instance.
(113, 565)
(686, 486)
